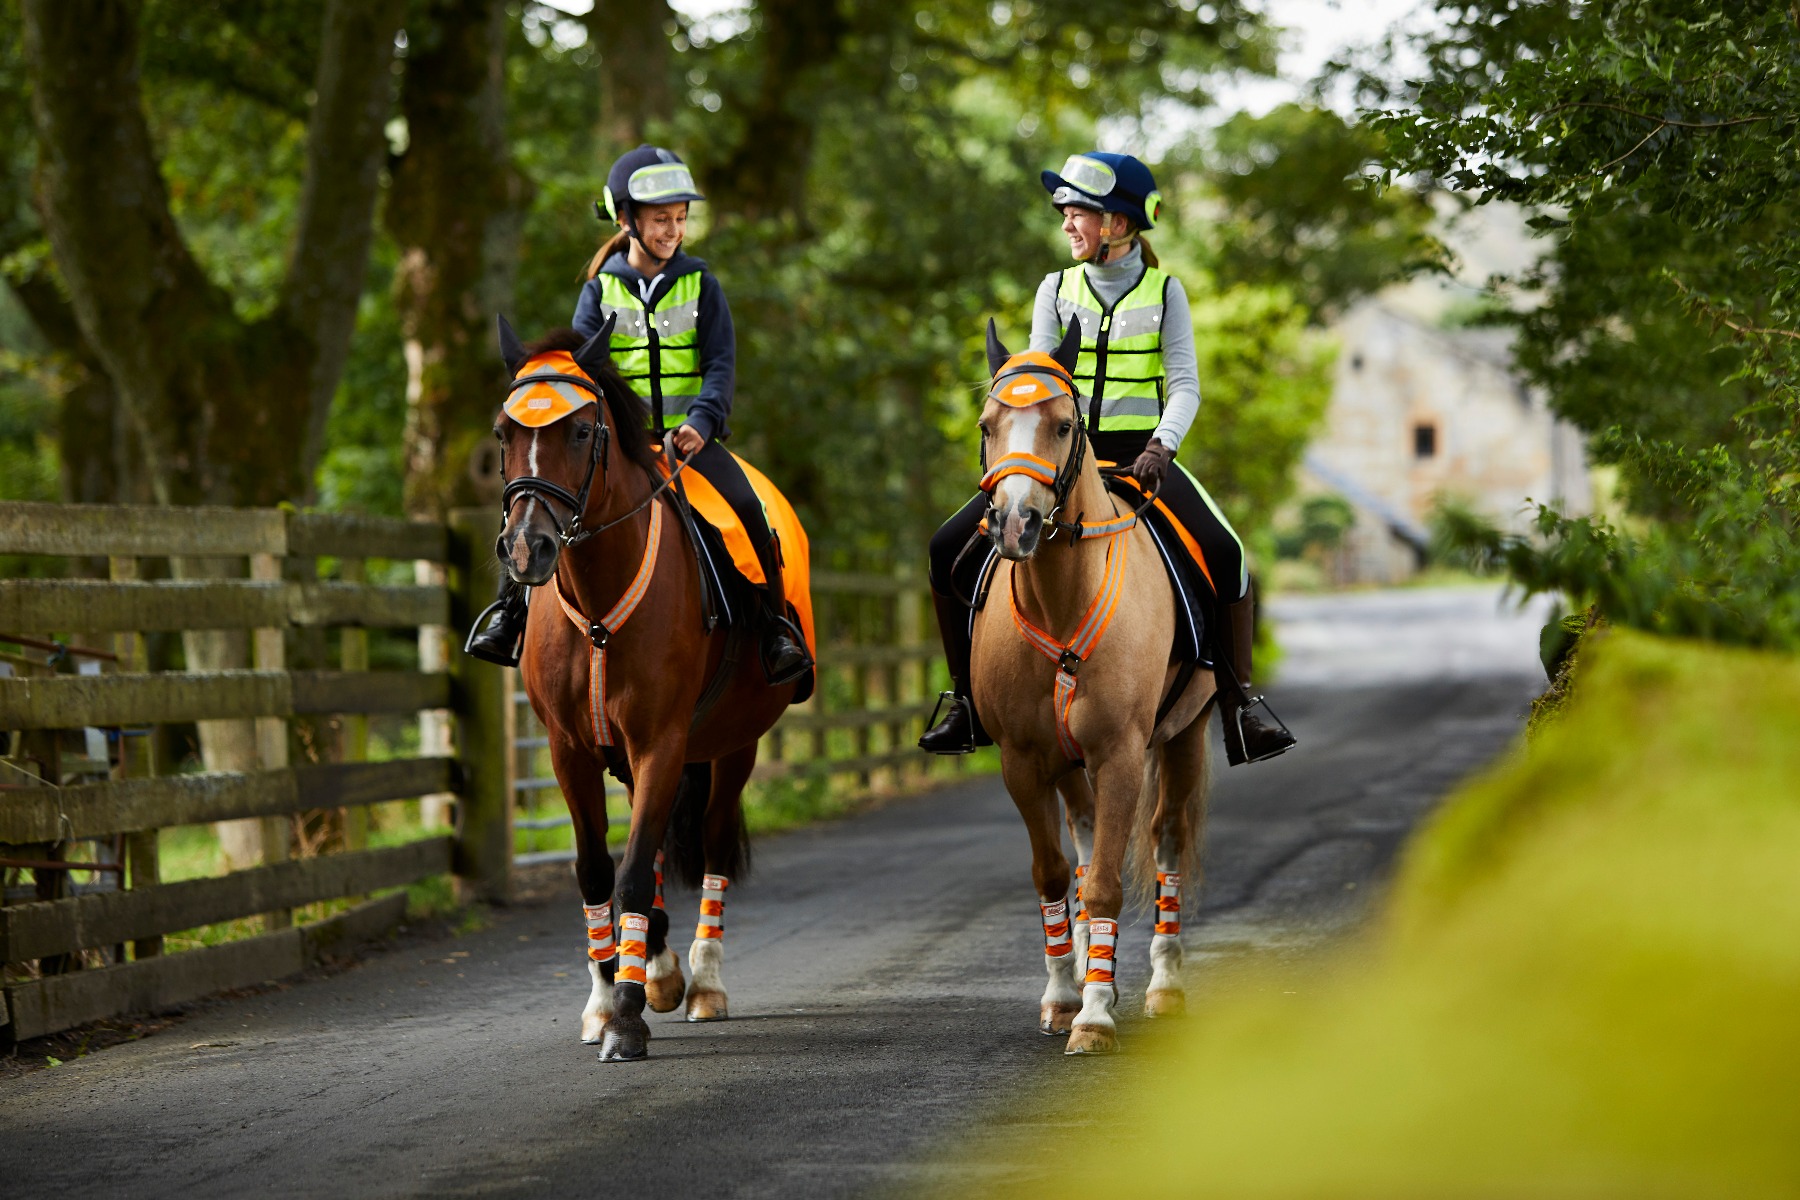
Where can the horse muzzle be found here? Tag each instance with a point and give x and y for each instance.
(1015, 530)
(529, 553)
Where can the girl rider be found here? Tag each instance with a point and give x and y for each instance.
(1138, 370)
(675, 345)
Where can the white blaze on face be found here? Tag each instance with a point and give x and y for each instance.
(1021, 438)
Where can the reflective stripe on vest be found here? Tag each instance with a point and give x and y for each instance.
(657, 349)
(1121, 363)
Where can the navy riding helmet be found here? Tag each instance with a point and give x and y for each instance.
(647, 175)
(1107, 182)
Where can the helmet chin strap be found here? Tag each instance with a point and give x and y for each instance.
(632, 233)
(1099, 257)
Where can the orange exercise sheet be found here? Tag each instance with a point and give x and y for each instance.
(796, 555)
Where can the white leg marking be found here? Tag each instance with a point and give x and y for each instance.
(599, 1008)
(663, 965)
(706, 956)
(1061, 989)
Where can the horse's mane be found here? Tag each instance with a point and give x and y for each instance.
(630, 422)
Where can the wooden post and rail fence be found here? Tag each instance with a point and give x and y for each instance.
(88, 783)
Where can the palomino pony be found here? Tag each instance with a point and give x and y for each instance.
(622, 668)
(1071, 673)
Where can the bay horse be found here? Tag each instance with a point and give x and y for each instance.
(1071, 673)
(616, 661)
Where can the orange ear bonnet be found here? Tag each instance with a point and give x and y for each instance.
(1030, 378)
(547, 388)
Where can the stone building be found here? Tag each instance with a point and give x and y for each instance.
(1418, 412)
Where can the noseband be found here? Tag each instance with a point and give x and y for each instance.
(570, 532)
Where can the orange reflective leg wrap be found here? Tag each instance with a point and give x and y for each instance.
(634, 935)
(1056, 928)
(1168, 903)
(1081, 912)
(1103, 936)
(712, 907)
(600, 946)
(658, 902)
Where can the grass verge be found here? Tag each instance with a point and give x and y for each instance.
(1584, 982)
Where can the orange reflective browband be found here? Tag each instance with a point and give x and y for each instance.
(1069, 656)
(600, 632)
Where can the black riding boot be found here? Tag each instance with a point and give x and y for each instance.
(960, 731)
(784, 655)
(1247, 737)
(498, 635)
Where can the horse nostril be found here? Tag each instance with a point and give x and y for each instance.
(500, 546)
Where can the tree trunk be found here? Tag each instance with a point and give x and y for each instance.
(636, 80)
(764, 177)
(226, 411)
(457, 209)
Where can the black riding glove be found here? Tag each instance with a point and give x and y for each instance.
(1152, 465)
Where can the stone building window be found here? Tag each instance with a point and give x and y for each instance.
(1425, 440)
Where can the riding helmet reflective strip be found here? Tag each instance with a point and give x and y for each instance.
(656, 347)
(1056, 928)
(1106, 182)
(600, 632)
(634, 948)
(1168, 903)
(1068, 656)
(1121, 362)
(662, 183)
(712, 907)
(601, 945)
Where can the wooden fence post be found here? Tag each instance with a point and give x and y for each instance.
(484, 831)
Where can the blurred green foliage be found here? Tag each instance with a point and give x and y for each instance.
(1657, 143)
(911, 213)
(1582, 985)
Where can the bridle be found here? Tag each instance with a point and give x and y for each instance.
(570, 533)
(1059, 479)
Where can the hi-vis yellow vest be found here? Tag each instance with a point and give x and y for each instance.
(656, 349)
(1121, 363)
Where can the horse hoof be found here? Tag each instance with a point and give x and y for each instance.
(625, 1042)
(1057, 1019)
(1165, 1002)
(706, 1006)
(1091, 1039)
(592, 1032)
(663, 993)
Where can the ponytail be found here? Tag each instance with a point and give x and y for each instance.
(617, 243)
(1147, 252)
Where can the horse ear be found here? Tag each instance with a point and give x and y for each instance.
(597, 350)
(1069, 351)
(511, 352)
(997, 354)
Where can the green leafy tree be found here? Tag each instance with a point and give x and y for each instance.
(1657, 143)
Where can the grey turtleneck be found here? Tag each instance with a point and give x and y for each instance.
(1181, 370)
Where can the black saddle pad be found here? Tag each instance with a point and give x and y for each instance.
(1193, 595)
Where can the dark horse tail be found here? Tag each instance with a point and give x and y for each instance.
(684, 847)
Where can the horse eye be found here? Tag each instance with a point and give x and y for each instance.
(982, 425)
(583, 432)
(1063, 429)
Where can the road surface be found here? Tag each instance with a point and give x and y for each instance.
(884, 973)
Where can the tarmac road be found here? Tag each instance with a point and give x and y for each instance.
(884, 973)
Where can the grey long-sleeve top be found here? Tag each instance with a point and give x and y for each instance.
(1181, 366)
